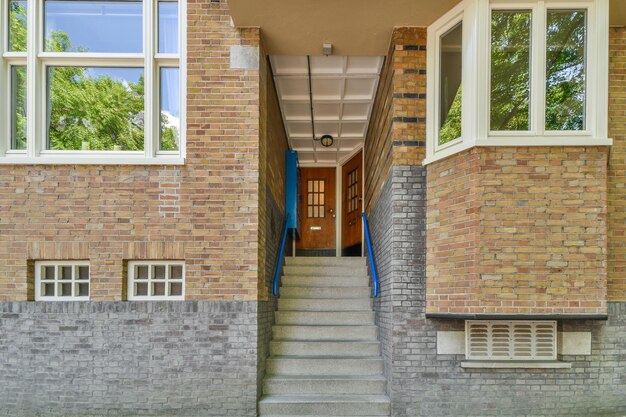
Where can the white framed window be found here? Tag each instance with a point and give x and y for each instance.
(534, 73)
(62, 280)
(156, 280)
(510, 340)
(92, 81)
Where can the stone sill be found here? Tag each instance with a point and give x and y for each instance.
(515, 365)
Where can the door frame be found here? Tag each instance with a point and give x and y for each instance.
(338, 196)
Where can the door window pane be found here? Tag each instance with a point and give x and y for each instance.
(95, 108)
(170, 109)
(565, 69)
(18, 107)
(450, 90)
(168, 27)
(510, 70)
(17, 26)
(93, 26)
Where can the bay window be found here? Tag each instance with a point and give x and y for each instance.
(92, 81)
(528, 73)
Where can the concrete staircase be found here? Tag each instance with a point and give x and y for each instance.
(324, 357)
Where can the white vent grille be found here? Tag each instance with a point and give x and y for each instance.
(510, 340)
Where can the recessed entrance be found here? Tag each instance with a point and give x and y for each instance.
(318, 212)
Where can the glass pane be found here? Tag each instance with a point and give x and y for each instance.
(141, 272)
(95, 108)
(93, 26)
(168, 27)
(17, 26)
(83, 272)
(141, 288)
(65, 290)
(47, 273)
(322, 186)
(170, 109)
(176, 272)
(176, 288)
(565, 69)
(158, 272)
(510, 70)
(47, 290)
(65, 273)
(450, 90)
(158, 288)
(82, 289)
(18, 107)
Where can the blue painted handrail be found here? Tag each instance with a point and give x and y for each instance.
(370, 252)
(279, 261)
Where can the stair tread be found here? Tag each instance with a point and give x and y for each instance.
(326, 357)
(317, 398)
(274, 377)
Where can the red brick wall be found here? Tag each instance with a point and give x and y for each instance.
(205, 212)
(518, 231)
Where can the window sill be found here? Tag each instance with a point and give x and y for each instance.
(90, 160)
(515, 365)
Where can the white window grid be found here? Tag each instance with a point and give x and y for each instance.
(37, 61)
(510, 340)
(156, 280)
(62, 280)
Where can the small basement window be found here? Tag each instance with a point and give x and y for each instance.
(62, 280)
(510, 340)
(156, 280)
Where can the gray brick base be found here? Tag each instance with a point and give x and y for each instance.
(422, 383)
(128, 358)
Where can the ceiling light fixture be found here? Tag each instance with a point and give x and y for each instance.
(327, 140)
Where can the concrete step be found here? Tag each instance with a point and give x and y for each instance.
(325, 281)
(312, 385)
(294, 332)
(324, 405)
(324, 304)
(324, 348)
(336, 270)
(295, 365)
(324, 317)
(325, 261)
(326, 292)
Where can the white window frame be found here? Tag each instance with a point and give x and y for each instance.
(58, 264)
(150, 264)
(488, 343)
(37, 62)
(476, 15)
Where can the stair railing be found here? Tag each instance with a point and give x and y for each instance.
(279, 261)
(370, 252)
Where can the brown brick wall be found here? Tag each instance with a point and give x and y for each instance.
(518, 231)
(617, 166)
(205, 211)
(396, 133)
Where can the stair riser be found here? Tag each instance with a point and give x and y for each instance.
(324, 270)
(324, 386)
(326, 409)
(324, 282)
(326, 292)
(324, 317)
(315, 261)
(324, 304)
(324, 332)
(280, 348)
(281, 366)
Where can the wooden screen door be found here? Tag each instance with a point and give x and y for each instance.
(318, 210)
(352, 190)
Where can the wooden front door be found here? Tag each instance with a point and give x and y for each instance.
(352, 203)
(318, 209)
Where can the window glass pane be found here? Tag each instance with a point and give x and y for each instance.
(17, 26)
(450, 90)
(141, 288)
(82, 289)
(47, 273)
(142, 272)
(565, 69)
(168, 27)
(176, 272)
(83, 272)
(66, 273)
(93, 26)
(158, 272)
(18, 107)
(95, 108)
(176, 288)
(170, 109)
(510, 70)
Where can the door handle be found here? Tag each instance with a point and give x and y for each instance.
(332, 212)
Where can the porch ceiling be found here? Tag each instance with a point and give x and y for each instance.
(343, 90)
(355, 27)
